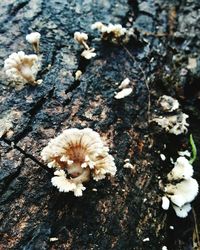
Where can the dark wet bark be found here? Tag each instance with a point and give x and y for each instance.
(126, 209)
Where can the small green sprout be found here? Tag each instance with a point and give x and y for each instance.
(194, 150)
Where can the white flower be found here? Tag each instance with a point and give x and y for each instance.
(182, 170)
(82, 154)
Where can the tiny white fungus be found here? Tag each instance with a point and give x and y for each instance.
(183, 192)
(146, 239)
(123, 93)
(168, 103)
(182, 169)
(78, 74)
(174, 124)
(128, 165)
(163, 157)
(124, 84)
(165, 203)
(21, 67)
(183, 211)
(34, 39)
(88, 54)
(184, 153)
(53, 239)
(114, 33)
(82, 38)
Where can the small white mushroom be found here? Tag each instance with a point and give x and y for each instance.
(88, 54)
(163, 157)
(34, 39)
(78, 74)
(165, 203)
(124, 84)
(81, 38)
(22, 67)
(53, 239)
(146, 239)
(99, 26)
(123, 93)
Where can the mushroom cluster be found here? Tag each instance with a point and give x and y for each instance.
(78, 155)
(113, 33)
(181, 189)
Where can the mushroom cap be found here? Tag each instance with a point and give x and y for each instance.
(33, 37)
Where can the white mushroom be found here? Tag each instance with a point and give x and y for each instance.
(22, 67)
(34, 39)
(174, 124)
(78, 155)
(123, 93)
(182, 170)
(88, 54)
(82, 38)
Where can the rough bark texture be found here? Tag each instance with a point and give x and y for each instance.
(125, 209)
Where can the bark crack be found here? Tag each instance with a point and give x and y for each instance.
(27, 155)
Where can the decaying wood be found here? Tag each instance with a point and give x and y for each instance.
(117, 213)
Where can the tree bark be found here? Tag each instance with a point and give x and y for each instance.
(124, 212)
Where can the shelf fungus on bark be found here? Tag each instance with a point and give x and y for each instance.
(173, 123)
(181, 188)
(34, 39)
(168, 103)
(77, 156)
(22, 68)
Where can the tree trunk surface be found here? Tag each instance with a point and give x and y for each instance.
(122, 212)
